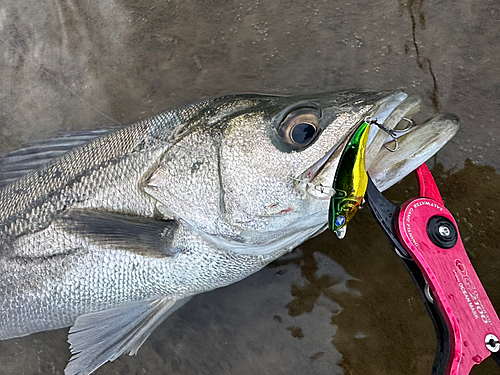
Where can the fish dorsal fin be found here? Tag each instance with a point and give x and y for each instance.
(110, 230)
(20, 162)
(103, 336)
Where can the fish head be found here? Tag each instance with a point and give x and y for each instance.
(272, 158)
(256, 173)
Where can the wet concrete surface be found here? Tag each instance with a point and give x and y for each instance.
(332, 306)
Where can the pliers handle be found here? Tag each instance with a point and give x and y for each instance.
(425, 236)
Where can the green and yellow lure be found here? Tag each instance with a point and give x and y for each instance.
(350, 182)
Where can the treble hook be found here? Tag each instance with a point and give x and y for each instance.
(391, 132)
(327, 190)
(396, 144)
(411, 124)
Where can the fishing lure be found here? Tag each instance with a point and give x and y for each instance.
(350, 182)
(351, 178)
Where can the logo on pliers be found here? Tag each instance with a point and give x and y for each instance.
(470, 292)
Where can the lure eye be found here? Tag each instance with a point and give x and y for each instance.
(300, 127)
(339, 221)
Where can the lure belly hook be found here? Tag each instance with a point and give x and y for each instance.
(425, 236)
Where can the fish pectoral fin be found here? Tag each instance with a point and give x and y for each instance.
(20, 162)
(103, 336)
(111, 230)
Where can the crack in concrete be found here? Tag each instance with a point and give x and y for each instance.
(413, 7)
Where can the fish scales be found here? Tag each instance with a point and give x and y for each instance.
(103, 174)
(152, 132)
(86, 285)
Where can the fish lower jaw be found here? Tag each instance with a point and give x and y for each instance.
(397, 118)
(415, 148)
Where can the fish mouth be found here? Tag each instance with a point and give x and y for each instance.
(318, 179)
(415, 144)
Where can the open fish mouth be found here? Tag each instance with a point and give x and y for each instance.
(393, 150)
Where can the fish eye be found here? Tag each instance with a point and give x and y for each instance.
(302, 133)
(300, 127)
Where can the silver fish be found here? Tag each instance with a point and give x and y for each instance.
(111, 231)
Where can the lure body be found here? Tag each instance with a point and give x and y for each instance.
(350, 182)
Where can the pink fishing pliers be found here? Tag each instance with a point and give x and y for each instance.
(424, 235)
